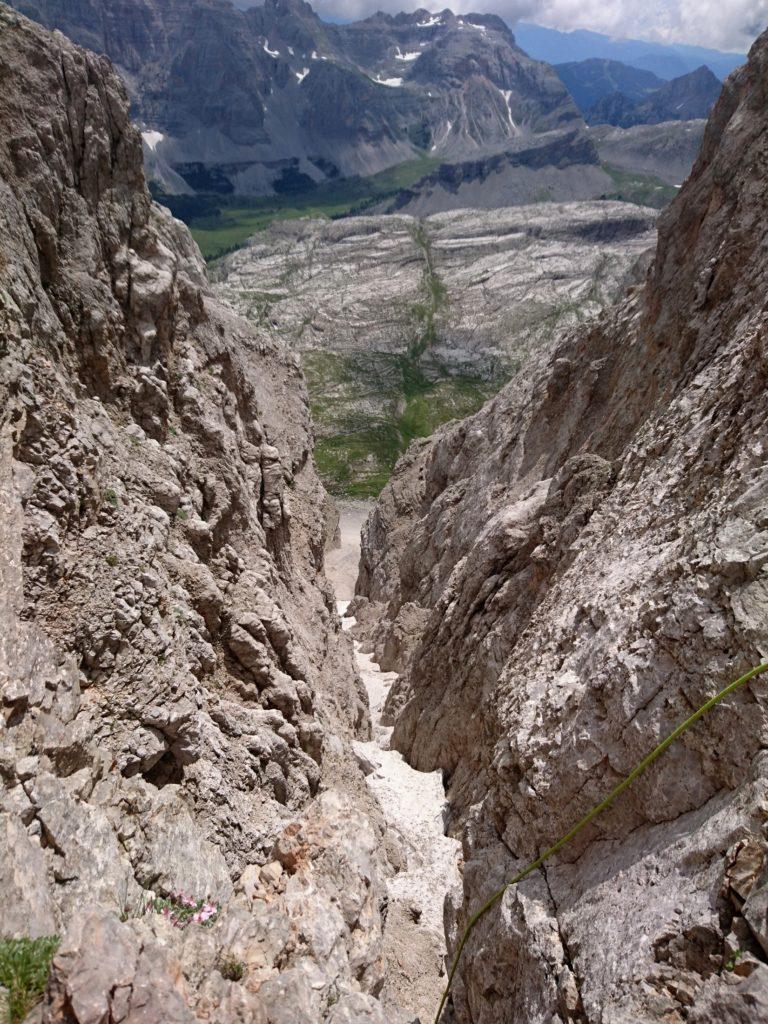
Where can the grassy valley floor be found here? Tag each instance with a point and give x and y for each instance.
(221, 224)
(368, 407)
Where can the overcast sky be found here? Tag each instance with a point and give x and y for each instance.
(721, 24)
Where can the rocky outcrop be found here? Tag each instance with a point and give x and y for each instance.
(667, 150)
(509, 279)
(557, 166)
(562, 579)
(177, 700)
(402, 324)
(274, 99)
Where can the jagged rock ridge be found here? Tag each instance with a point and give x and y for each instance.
(561, 579)
(177, 701)
(244, 100)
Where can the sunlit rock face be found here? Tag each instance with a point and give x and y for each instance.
(561, 579)
(177, 699)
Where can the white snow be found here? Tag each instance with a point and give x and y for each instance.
(272, 53)
(301, 75)
(152, 139)
(407, 56)
(446, 133)
(507, 94)
(413, 803)
(430, 23)
(290, 50)
(393, 83)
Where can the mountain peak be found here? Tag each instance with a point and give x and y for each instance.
(273, 98)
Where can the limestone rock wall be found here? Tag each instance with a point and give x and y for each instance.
(177, 700)
(561, 579)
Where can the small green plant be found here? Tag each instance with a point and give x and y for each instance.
(733, 959)
(110, 496)
(111, 560)
(24, 966)
(231, 968)
(182, 514)
(132, 910)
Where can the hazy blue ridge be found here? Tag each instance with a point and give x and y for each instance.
(665, 60)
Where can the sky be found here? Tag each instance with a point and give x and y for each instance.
(719, 24)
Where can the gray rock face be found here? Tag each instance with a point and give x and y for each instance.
(374, 304)
(666, 150)
(177, 700)
(246, 100)
(557, 166)
(561, 579)
(562, 166)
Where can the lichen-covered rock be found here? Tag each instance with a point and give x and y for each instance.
(175, 687)
(562, 578)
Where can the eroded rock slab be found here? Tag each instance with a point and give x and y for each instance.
(402, 324)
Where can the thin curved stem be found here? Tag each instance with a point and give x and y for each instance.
(598, 809)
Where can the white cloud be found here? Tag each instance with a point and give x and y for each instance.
(721, 24)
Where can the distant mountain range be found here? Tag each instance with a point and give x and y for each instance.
(589, 81)
(273, 98)
(667, 61)
(608, 92)
(271, 102)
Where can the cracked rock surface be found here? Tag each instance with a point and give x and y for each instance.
(403, 323)
(560, 580)
(509, 280)
(177, 699)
